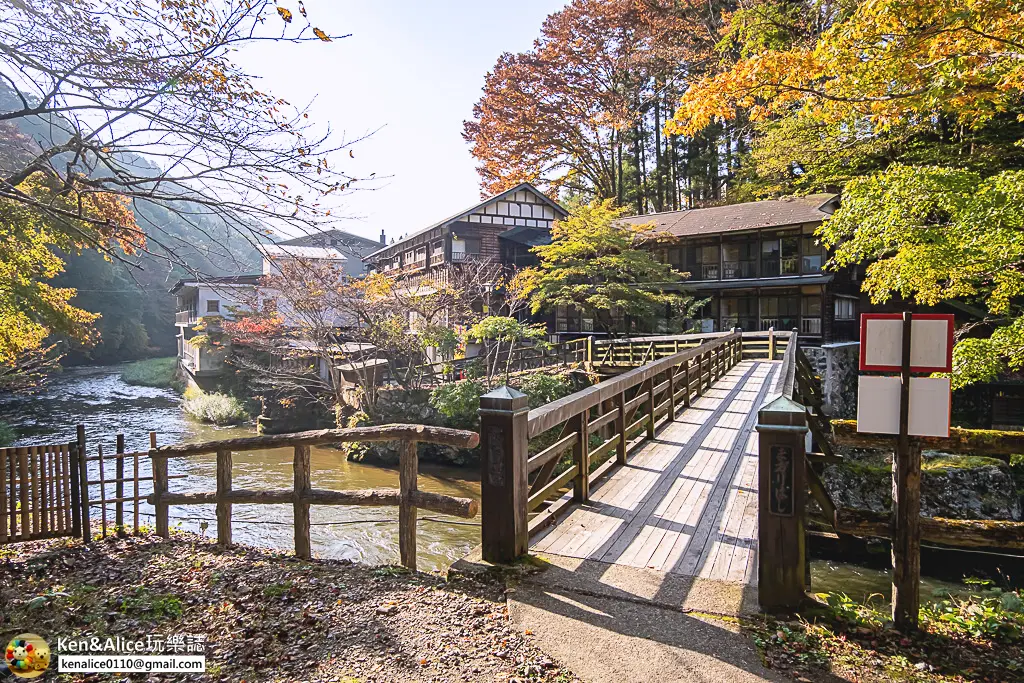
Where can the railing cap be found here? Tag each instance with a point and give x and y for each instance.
(504, 398)
(778, 410)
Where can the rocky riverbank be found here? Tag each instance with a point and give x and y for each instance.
(952, 486)
(270, 617)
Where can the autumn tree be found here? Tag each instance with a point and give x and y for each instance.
(308, 317)
(605, 269)
(582, 111)
(118, 112)
(913, 110)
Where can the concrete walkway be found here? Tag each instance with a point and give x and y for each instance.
(618, 624)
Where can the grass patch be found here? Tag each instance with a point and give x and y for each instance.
(218, 409)
(155, 606)
(976, 636)
(152, 372)
(950, 462)
(7, 434)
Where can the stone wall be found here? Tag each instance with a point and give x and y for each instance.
(837, 365)
(954, 487)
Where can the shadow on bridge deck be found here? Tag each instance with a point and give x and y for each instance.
(677, 525)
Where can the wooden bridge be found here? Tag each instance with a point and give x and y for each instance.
(656, 468)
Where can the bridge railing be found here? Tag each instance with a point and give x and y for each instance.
(637, 351)
(523, 452)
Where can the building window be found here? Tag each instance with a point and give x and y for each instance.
(739, 260)
(780, 312)
(813, 256)
(739, 311)
(213, 306)
(463, 248)
(702, 262)
(846, 309)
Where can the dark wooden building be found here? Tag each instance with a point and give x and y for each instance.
(760, 266)
(500, 229)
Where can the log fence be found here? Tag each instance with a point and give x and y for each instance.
(407, 497)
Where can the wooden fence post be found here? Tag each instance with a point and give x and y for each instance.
(504, 490)
(159, 465)
(906, 506)
(771, 343)
(620, 428)
(671, 394)
(119, 486)
(300, 467)
(651, 407)
(83, 482)
(73, 487)
(686, 383)
(408, 470)
(781, 566)
(24, 492)
(223, 488)
(581, 456)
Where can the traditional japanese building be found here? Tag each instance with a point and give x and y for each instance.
(760, 266)
(500, 229)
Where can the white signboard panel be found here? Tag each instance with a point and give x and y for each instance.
(929, 406)
(931, 342)
(878, 406)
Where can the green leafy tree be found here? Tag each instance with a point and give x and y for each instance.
(605, 269)
(496, 332)
(934, 234)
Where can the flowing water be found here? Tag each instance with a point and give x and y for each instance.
(97, 398)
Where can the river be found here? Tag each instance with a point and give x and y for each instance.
(97, 398)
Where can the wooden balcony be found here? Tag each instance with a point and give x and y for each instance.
(185, 318)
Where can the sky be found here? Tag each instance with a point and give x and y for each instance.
(410, 74)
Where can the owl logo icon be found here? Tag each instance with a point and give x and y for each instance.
(27, 656)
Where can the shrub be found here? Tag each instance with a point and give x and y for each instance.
(543, 388)
(218, 409)
(152, 372)
(459, 402)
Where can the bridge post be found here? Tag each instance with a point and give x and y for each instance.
(782, 491)
(504, 489)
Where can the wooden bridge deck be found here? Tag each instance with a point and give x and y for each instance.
(686, 502)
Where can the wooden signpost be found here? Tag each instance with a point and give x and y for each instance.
(907, 407)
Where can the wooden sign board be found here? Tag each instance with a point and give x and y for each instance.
(878, 405)
(931, 342)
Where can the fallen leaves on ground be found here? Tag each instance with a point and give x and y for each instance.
(270, 617)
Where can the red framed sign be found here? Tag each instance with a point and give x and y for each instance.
(931, 342)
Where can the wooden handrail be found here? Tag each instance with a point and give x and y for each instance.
(444, 436)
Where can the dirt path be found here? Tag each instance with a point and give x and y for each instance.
(269, 617)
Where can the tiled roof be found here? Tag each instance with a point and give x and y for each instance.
(291, 251)
(771, 213)
(501, 195)
(214, 281)
(339, 238)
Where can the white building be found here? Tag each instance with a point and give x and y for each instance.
(203, 302)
